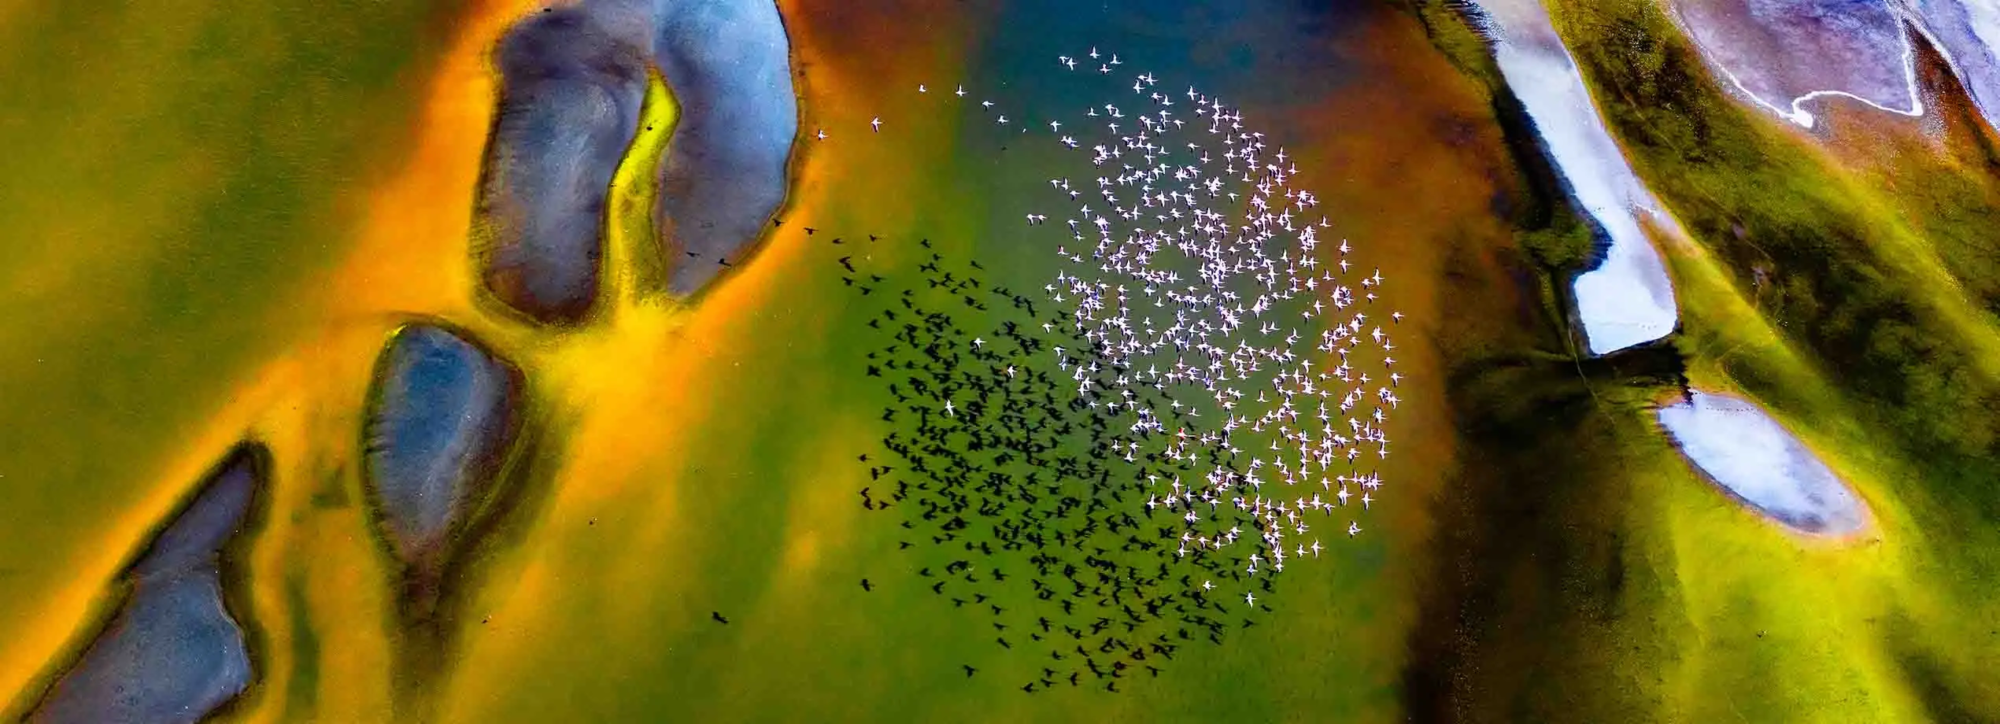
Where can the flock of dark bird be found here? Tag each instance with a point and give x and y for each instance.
(994, 466)
(1084, 469)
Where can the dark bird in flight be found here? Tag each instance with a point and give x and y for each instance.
(969, 671)
(866, 586)
(717, 615)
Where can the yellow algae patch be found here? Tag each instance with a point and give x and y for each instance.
(611, 384)
(317, 552)
(1724, 336)
(612, 546)
(1814, 612)
(1764, 601)
(1763, 606)
(633, 255)
(1929, 279)
(1719, 324)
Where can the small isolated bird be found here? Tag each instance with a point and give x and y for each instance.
(866, 586)
(876, 124)
(969, 671)
(717, 615)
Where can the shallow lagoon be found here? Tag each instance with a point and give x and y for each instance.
(1754, 458)
(1626, 300)
(1784, 54)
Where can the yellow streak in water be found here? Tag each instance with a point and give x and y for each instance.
(612, 549)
